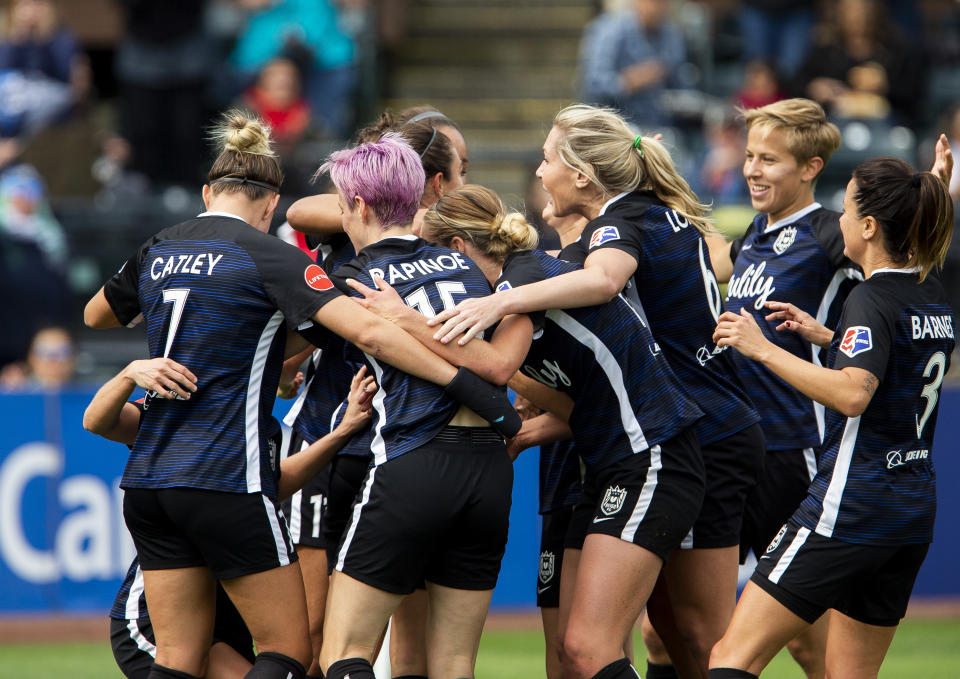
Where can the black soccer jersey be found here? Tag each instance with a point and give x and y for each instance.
(218, 297)
(876, 483)
(560, 483)
(408, 411)
(328, 377)
(678, 290)
(626, 397)
(798, 260)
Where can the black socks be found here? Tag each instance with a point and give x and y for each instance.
(730, 673)
(618, 669)
(660, 671)
(357, 668)
(269, 665)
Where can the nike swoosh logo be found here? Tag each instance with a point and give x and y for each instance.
(747, 247)
(541, 590)
(598, 519)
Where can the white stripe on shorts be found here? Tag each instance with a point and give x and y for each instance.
(357, 507)
(283, 553)
(296, 512)
(787, 557)
(141, 641)
(646, 495)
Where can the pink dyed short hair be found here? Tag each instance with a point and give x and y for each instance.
(387, 174)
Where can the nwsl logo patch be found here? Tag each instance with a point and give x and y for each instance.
(856, 340)
(504, 285)
(602, 235)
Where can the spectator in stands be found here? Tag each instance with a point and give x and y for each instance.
(286, 27)
(860, 67)
(25, 213)
(277, 99)
(776, 31)
(761, 86)
(42, 70)
(163, 66)
(628, 58)
(721, 178)
(49, 365)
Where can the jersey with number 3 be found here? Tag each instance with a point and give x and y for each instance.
(676, 285)
(408, 411)
(876, 483)
(217, 296)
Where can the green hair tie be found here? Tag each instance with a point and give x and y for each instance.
(636, 144)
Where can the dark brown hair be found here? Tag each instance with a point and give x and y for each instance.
(913, 209)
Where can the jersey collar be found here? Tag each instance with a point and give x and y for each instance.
(218, 213)
(789, 219)
(887, 269)
(613, 200)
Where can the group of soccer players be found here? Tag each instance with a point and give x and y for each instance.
(677, 430)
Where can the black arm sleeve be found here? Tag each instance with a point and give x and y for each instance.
(486, 400)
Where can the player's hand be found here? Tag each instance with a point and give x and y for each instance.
(799, 321)
(163, 377)
(384, 302)
(518, 444)
(290, 389)
(741, 332)
(525, 408)
(357, 414)
(943, 160)
(469, 318)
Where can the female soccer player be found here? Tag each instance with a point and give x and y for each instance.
(792, 252)
(217, 292)
(629, 419)
(856, 542)
(110, 414)
(435, 504)
(318, 517)
(645, 238)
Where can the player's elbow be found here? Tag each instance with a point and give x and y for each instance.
(499, 372)
(854, 404)
(93, 424)
(368, 334)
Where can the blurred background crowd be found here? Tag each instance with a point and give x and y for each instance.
(105, 104)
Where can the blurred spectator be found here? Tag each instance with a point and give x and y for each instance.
(277, 99)
(302, 27)
(628, 58)
(49, 365)
(860, 67)
(776, 31)
(163, 64)
(26, 215)
(761, 86)
(721, 176)
(42, 70)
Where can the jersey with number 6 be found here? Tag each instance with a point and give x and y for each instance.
(217, 296)
(676, 285)
(876, 483)
(408, 411)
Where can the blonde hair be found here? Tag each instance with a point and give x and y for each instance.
(245, 154)
(476, 214)
(600, 145)
(808, 133)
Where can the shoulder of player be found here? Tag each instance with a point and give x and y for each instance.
(521, 268)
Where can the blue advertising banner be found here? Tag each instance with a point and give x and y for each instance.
(64, 548)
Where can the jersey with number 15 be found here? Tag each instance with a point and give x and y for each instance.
(678, 290)
(217, 296)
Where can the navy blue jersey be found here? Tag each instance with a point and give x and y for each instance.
(327, 381)
(560, 482)
(217, 296)
(875, 483)
(799, 260)
(675, 284)
(626, 397)
(408, 411)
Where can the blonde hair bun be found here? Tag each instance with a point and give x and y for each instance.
(242, 132)
(514, 230)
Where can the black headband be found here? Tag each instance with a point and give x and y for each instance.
(425, 115)
(245, 180)
(429, 143)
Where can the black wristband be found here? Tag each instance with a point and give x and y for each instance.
(486, 400)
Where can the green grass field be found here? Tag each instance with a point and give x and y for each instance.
(922, 648)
